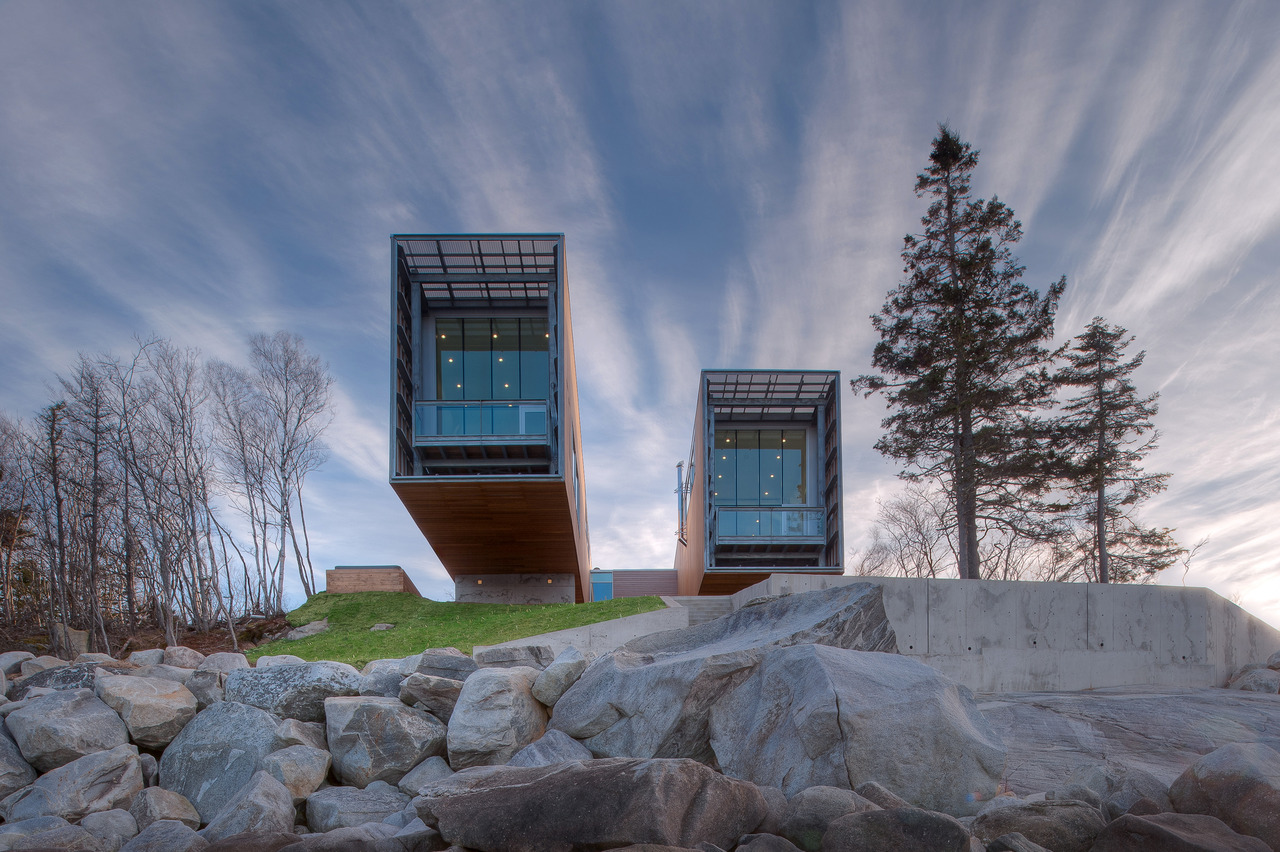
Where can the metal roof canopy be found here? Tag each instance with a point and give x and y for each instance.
(462, 270)
(768, 394)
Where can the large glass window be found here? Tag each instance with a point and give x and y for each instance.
(760, 467)
(492, 359)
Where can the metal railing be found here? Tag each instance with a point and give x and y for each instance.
(480, 418)
(769, 522)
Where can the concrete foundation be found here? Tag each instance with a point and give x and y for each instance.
(998, 636)
(514, 588)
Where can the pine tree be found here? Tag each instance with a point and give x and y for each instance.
(1106, 432)
(961, 351)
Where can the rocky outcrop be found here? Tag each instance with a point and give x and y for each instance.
(594, 804)
(56, 729)
(153, 709)
(496, 716)
(216, 754)
(815, 715)
(379, 739)
(1239, 784)
(653, 696)
(97, 782)
(294, 692)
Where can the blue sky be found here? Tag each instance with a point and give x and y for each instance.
(733, 179)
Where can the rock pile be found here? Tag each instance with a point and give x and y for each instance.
(789, 725)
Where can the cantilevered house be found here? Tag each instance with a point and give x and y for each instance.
(485, 442)
(760, 493)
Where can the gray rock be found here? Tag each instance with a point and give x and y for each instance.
(153, 709)
(553, 747)
(291, 732)
(597, 804)
(164, 671)
(372, 836)
(206, 686)
(765, 842)
(1173, 833)
(1014, 842)
(810, 813)
(311, 628)
(346, 807)
(1161, 730)
(880, 795)
(156, 803)
(295, 692)
(403, 817)
(58, 728)
(1259, 680)
(423, 775)
(300, 768)
(11, 831)
(653, 696)
(35, 665)
(1063, 826)
(11, 662)
(69, 837)
(1273, 662)
(447, 663)
(262, 805)
(1115, 789)
(379, 739)
(899, 829)
(437, 695)
(97, 782)
(813, 715)
(496, 716)
(382, 625)
(1239, 784)
(112, 828)
(278, 660)
(776, 800)
(182, 657)
(382, 682)
(15, 772)
(166, 836)
(223, 661)
(97, 659)
(150, 769)
(147, 657)
(511, 656)
(563, 673)
(64, 677)
(217, 754)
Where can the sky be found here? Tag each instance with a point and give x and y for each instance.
(733, 179)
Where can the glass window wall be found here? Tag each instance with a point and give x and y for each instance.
(492, 359)
(760, 467)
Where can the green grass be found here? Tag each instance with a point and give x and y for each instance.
(421, 623)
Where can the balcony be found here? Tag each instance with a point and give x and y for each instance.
(788, 524)
(485, 421)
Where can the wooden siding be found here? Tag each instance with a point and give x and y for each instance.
(637, 583)
(339, 581)
(691, 552)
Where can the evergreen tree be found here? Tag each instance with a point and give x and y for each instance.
(961, 352)
(1106, 432)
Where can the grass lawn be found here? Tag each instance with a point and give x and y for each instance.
(421, 623)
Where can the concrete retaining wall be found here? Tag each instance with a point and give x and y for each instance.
(368, 578)
(604, 636)
(998, 636)
(514, 588)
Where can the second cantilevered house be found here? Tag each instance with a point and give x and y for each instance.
(486, 450)
(760, 493)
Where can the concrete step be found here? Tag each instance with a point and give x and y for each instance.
(703, 608)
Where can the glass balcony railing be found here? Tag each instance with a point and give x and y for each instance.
(481, 418)
(774, 522)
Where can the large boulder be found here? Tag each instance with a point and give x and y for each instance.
(812, 715)
(1258, 680)
(224, 662)
(496, 716)
(447, 663)
(1239, 784)
(596, 804)
(1115, 789)
(156, 803)
(437, 695)
(262, 805)
(278, 660)
(379, 739)
(511, 656)
(653, 696)
(64, 677)
(216, 754)
(112, 828)
(183, 657)
(810, 812)
(11, 662)
(206, 686)
(1067, 826)
(57, 728)
(563, 673)
(153, 709)
(295, 692)
(423, 775)
(68, 838)
(1174, 833)
(292, 732)
(898, 829)
(100, 781)
(300, 768)
(345, 807)
(553, 747)
(167, 835)
(15, 772)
